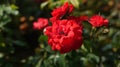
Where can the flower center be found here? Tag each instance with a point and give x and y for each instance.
(61, 32)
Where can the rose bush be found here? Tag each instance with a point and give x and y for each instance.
(23, 44)
(65, 33)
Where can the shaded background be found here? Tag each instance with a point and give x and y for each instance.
(22, 46)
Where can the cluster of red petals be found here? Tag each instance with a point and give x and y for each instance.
(40, 24)
(98, 21)
(64, 35)
(60, 12)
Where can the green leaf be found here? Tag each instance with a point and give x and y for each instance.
(75, 3)
(61, 60)
(19, 43)
(83, 48)
(39, 63)
(1, 12)
(93, 58)
(13, 6)
(43, 38)
(44, 4)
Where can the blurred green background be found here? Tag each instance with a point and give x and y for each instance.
(22, 46)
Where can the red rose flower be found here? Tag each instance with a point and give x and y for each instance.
(40, 24)
(98, 21)
(60, 12)
(64, 35)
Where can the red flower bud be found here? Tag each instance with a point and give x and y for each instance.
(98, 21)
(40, 24)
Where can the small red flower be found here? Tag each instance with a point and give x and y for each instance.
(60, 12)
(64, 35)
(98, 21)
(40, 24)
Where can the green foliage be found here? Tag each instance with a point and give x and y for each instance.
(22, 46)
